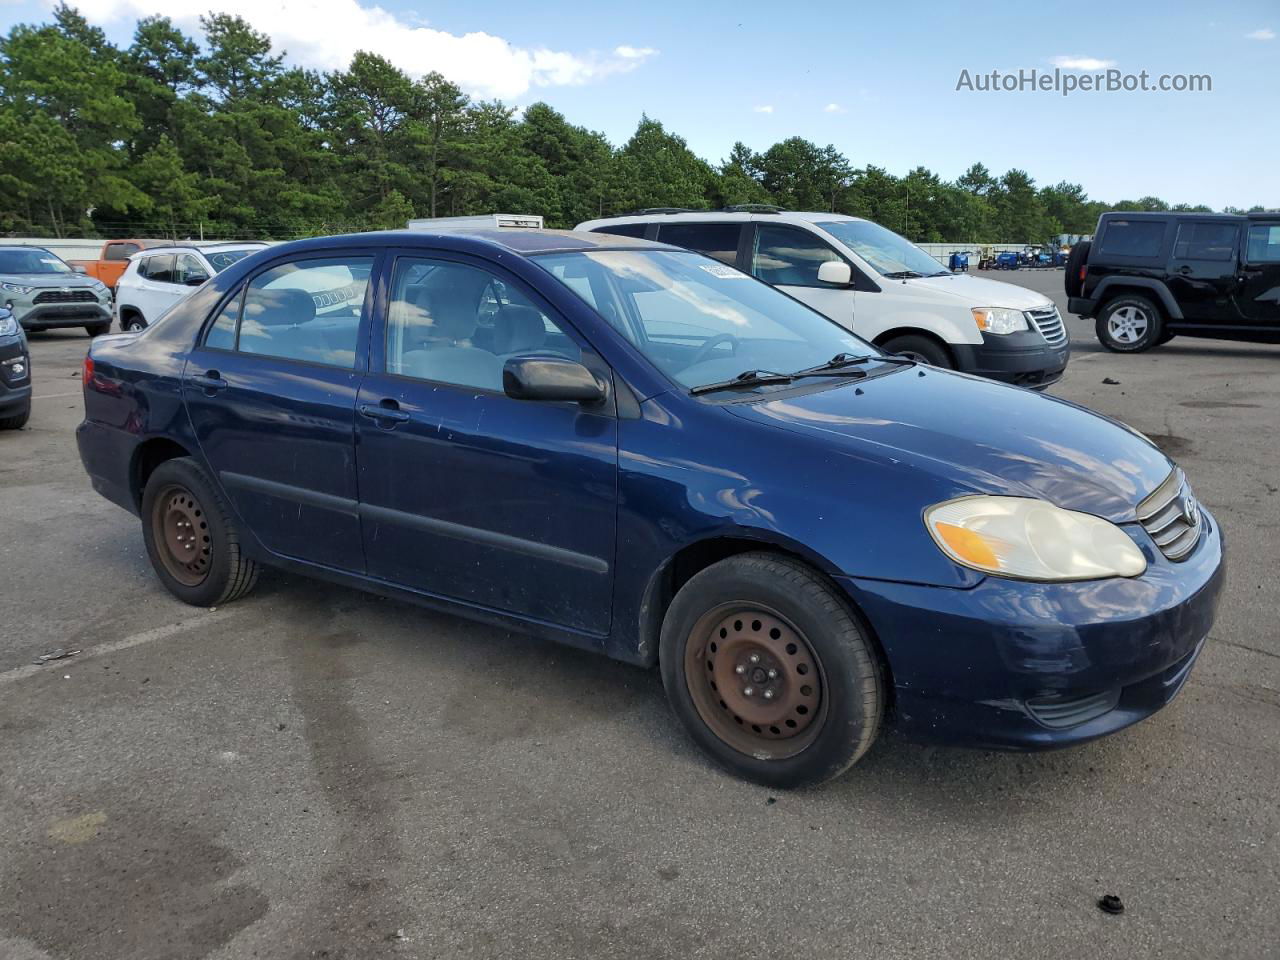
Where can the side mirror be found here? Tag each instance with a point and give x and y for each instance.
(78, 268)
(835, 271)
(550, 378)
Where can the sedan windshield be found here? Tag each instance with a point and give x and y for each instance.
(698, 320)
(889, 254)
(31, 261)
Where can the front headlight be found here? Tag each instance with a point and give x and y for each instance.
(1031, 540)
(999, 319)
(8, 327)
(16, 288)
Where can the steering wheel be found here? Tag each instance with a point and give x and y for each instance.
(704, 352)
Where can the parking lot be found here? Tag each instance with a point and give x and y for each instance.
(315, 772)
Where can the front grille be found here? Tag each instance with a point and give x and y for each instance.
(1049, 323)
(1060, 713)
(1171, 516)
(66, 296)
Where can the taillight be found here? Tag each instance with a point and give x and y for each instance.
(1084, 271)
(86, 375)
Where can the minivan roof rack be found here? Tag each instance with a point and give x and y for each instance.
(751, 208)
(652, 210)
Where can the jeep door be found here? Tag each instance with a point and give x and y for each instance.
(1258, 293)
(1202, 269)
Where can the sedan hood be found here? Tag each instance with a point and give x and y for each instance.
(979, 437)
(55, 280)
(981, 292)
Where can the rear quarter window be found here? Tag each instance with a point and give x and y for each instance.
(1133, 238)
(624, 229)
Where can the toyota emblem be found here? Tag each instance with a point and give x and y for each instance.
(1190, 510)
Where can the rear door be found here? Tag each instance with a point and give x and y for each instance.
(788, 258)
(1258, 295)
(153, 290)
(1202, 269)
(465, 493)
(271, 391)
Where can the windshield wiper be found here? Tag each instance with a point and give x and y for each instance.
(841, 362)
(903, 275)
(747, 378)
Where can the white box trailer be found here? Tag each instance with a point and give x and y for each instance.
(487, 221)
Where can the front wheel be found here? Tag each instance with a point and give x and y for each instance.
(769, 671)
(191, 539)
(921, 349)
(18, 420)
(1130, 324)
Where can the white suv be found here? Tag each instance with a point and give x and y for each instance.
(158, 278)
(876, 283)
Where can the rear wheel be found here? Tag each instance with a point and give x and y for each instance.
(18, 420)
(132, 322)
(921, 349)
(1130, 324)
(769, 671)
(191, 539)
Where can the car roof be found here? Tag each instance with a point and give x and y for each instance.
(1166, 214)
(722, 216)
(198, 247)
(525, 243)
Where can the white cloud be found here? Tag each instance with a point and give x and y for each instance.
(324, 34)
(833, 108)
(1266, 33)
(767, 108)
(1081, 63)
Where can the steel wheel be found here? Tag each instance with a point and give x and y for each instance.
(181, 532)
(755, 681)
(1128, 324)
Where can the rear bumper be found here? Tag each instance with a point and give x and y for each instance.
(1081, 306)
(1025, 359)
(1023, 666)
(107, 455)
(45, 316)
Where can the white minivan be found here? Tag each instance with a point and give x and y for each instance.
(876, 283)
(158, 277)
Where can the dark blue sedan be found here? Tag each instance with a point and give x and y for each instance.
(641, 451)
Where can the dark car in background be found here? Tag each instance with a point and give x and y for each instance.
(15, 373)
(1148, 277)
(576, 436)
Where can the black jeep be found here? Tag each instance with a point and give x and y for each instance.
(1148, 277)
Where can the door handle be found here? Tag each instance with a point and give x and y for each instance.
(210, 382)
(386, 410)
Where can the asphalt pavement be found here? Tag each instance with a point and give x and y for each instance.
(314, 772)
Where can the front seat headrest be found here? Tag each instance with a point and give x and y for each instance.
(284, 307)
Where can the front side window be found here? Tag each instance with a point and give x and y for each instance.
(891, 256)
(1133, 238)
(158, 269)
(697, 320)
(188, 270)
(789, 256)
(306, 310)
(1205, 241)
(718, 240)
(454, 323)
(1264, 243)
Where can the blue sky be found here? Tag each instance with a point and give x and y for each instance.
(879, 83)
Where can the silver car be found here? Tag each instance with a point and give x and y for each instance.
(43, 292)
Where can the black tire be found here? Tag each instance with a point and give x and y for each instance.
(97, 329)
(920, 348)
(1075, 260)
(1129, 323)
(18, 420)
(132, 321)
(848, 697)
(216, 571)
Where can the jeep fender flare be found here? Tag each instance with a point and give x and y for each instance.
(1110, 287)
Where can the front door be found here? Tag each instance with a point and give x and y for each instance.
(271, 392)
(1259, 291)
(1202, 270)
(506, 505)
(788, 258)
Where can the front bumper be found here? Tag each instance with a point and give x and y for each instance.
(1017, 665)
(42, 316)
(1025, 359)
(15, 376)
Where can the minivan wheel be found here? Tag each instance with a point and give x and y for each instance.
(1130, 324)
(769, 671)
(190, 537)
(920, 349)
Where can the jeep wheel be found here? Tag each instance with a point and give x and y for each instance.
(1130, 324)
(770, 673)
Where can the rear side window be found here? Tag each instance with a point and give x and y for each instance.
(120, 251)
(1133, 238)
(718, 240)
(306, 310)
(1264, 243)
(624, 229)
(158, 268)
(788, 256)
(1205, 241)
